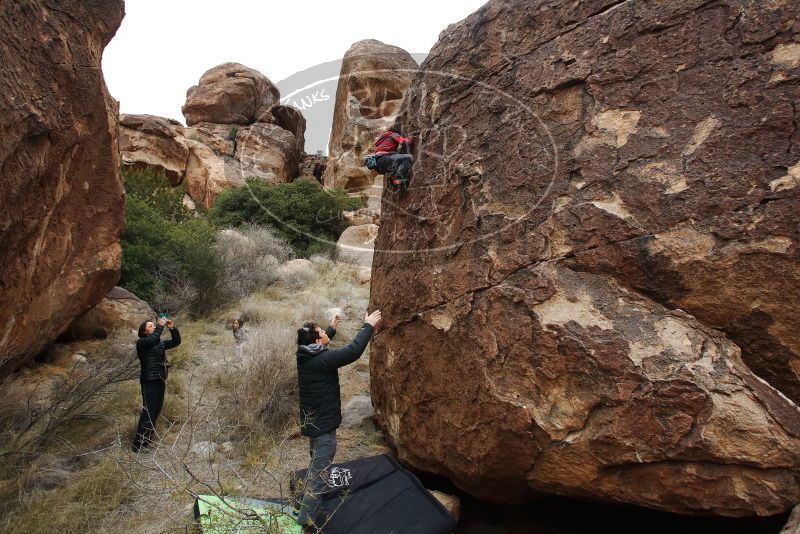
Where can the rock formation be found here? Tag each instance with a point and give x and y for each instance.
(236, 131)
(119, 309)
(372, 83)
(231, 94)
(603, 213)
(61, 200)
(147, 141)
(155, 142)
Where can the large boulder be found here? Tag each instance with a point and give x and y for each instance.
(269, 150)
(230, 94)
(232, 135)
(62, 199)
(148, 141)
(119, 310)
(372, 83)
(550, 242)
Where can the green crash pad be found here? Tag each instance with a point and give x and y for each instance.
(225, 515)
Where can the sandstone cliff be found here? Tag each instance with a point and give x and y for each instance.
(61, 200)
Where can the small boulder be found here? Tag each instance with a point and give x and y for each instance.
(119, 309)
(290, 118)
(269, 149)
(363, 275)
(356, 410)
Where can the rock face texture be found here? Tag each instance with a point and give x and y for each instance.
(233, 135)
(372, 83)
(270, 150)
(231, 94)
(584, 173)
(61, 200)
(147, 141)
(120, 309)
(156, 142)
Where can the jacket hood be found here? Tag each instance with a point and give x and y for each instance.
(307, 351)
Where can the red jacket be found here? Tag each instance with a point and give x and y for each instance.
(388, 142)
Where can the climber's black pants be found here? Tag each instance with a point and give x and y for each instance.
(152, 402)
(397, 165)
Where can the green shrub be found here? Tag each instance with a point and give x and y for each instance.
(168, 256)
(154, 189)
(308, 217)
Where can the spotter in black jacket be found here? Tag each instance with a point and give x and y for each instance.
(318, 378)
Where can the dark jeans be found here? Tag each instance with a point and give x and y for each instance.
(398, 165)
(322, 449)
(152, 402)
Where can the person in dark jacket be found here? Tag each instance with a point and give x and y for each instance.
(320, 399)
(153, 360)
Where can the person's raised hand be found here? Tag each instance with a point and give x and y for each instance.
(336, 320)
(170, 324)
(373, 318)
(161, 321)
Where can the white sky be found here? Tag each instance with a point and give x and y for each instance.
(164, 46)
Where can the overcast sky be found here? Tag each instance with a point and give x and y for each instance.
(163, 46)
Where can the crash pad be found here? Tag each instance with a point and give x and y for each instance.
(218, 515)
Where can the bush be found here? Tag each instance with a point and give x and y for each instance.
(250, 257)
(154, 189)
(168, 255)
(261, 392)
(178, 261)
(308, 217)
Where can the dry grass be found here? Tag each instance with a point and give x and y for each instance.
(260, 386)
(87, 500)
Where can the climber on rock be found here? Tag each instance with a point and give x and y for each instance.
(387, 159)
